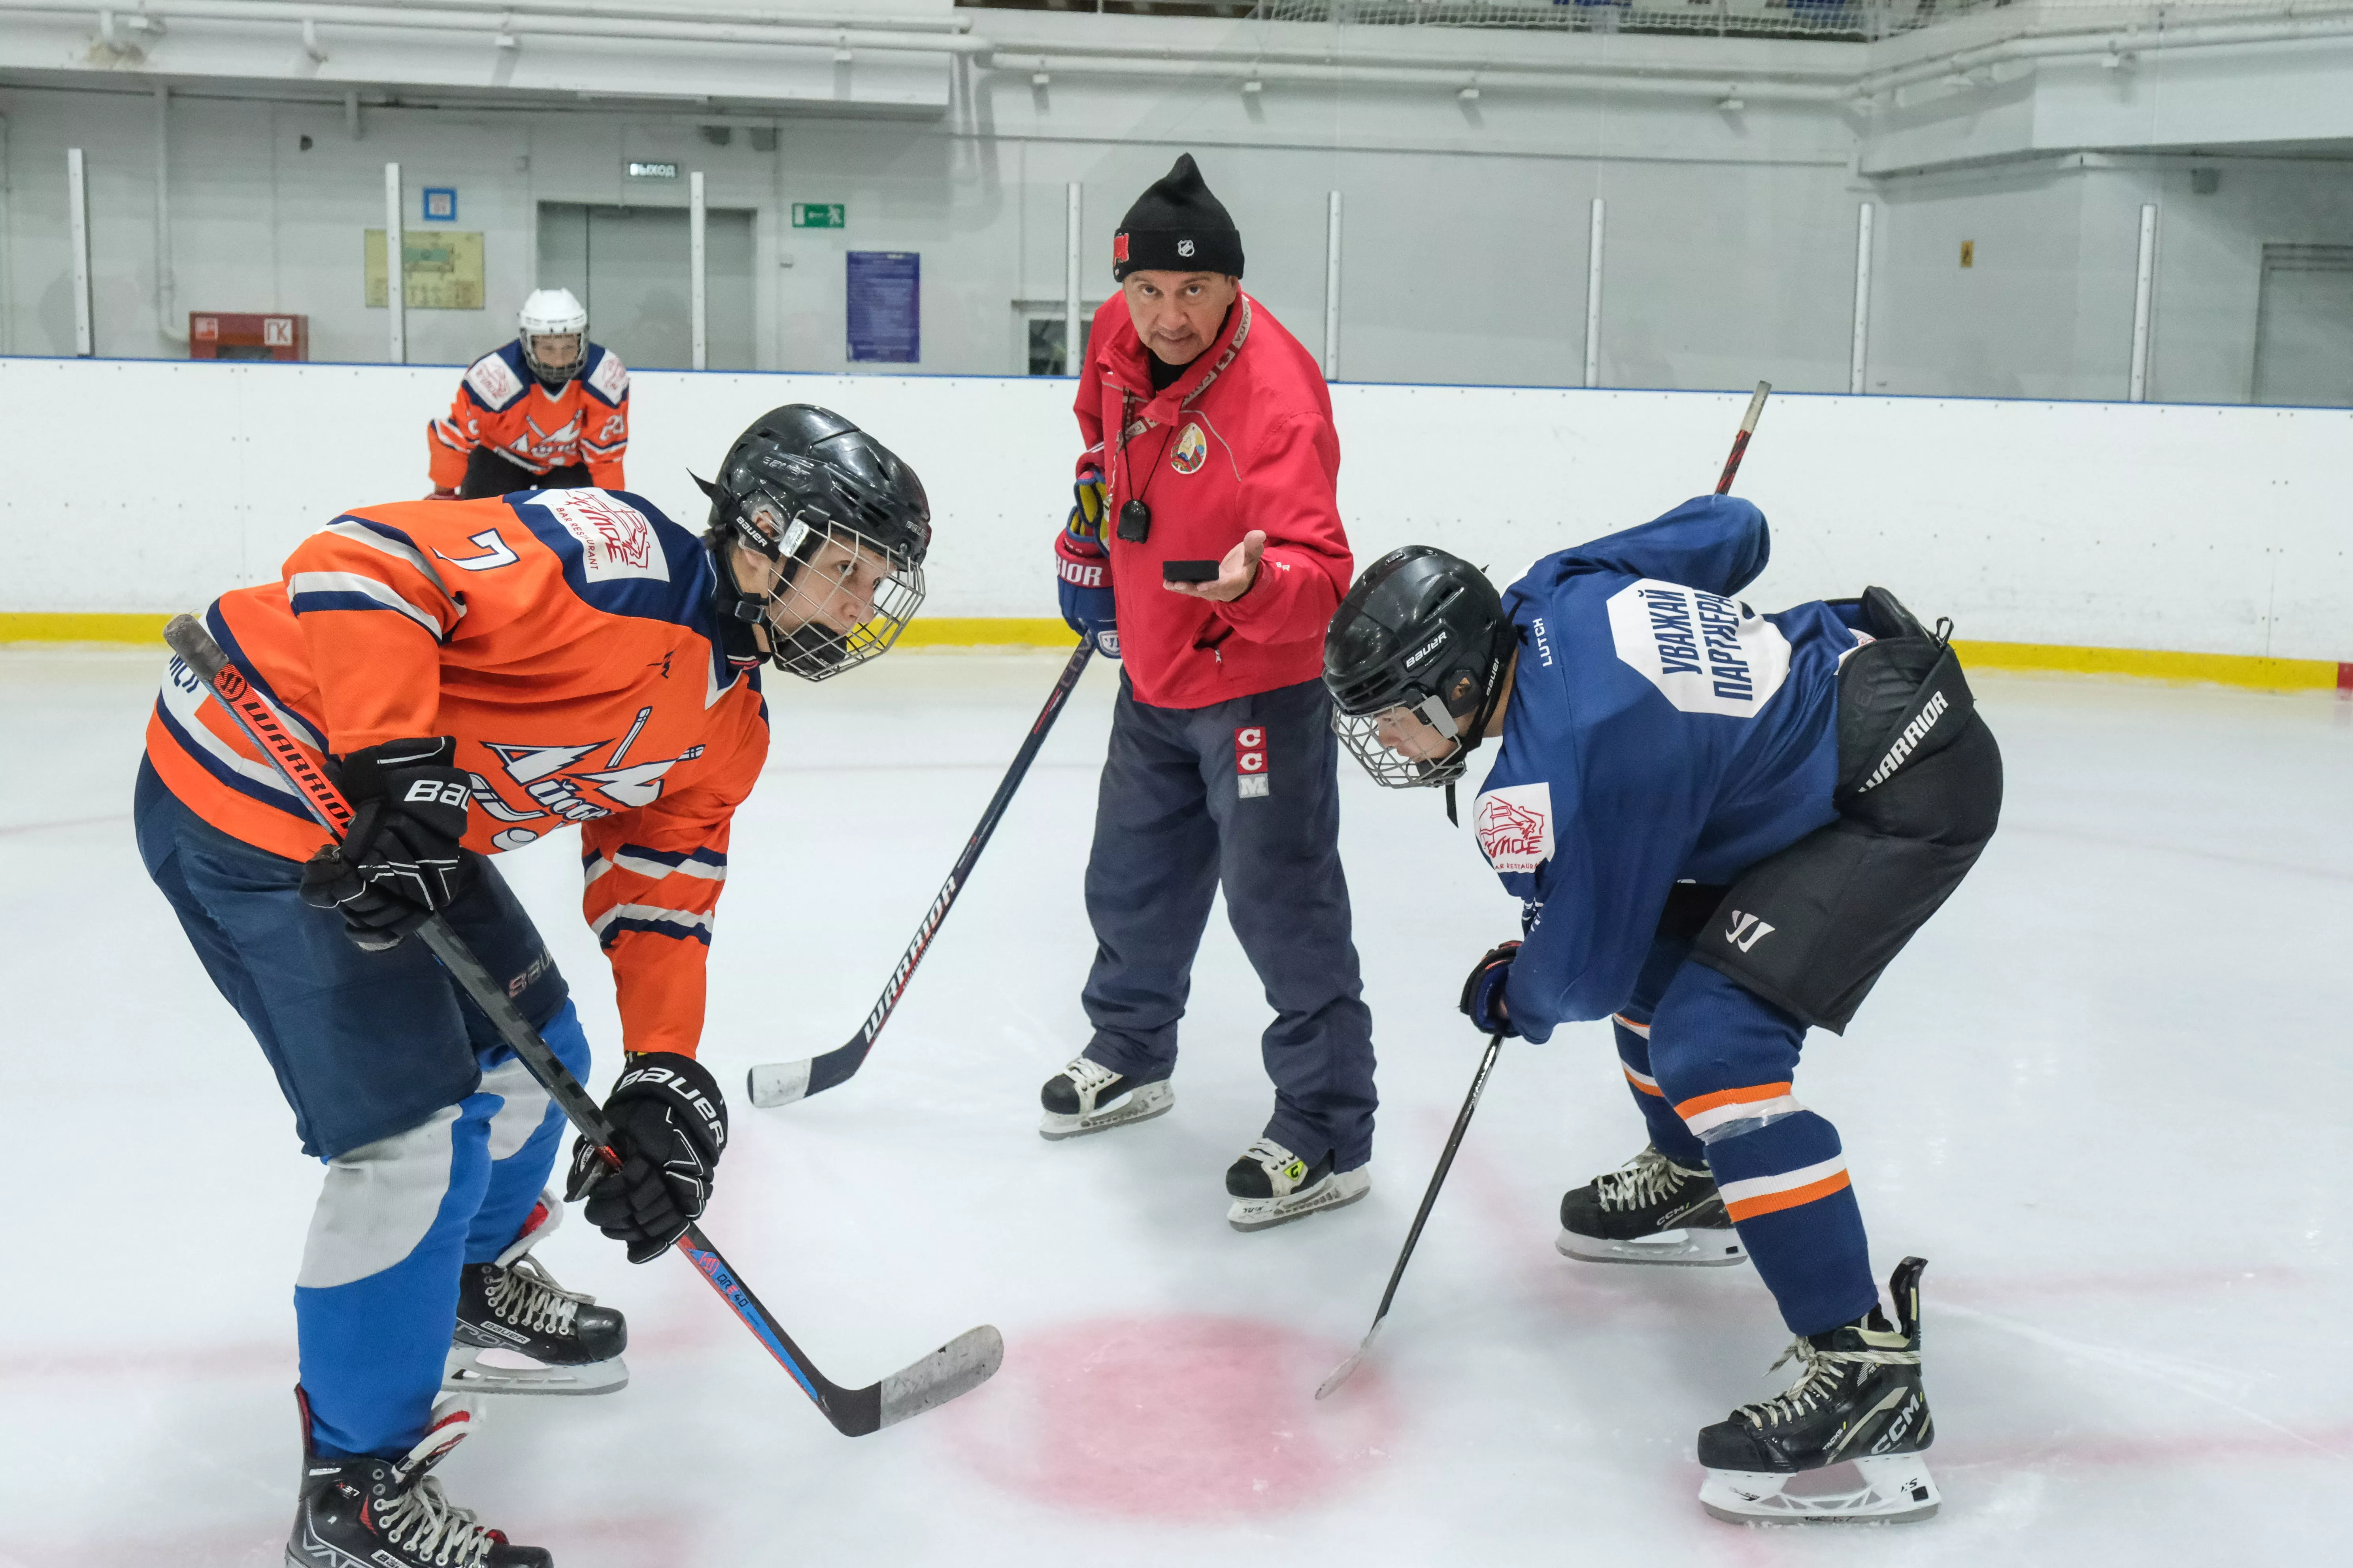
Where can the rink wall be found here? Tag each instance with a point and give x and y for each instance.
(2057, 535)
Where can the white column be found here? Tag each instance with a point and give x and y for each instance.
(1856, 364)
(395, 266)
(1593, 299)
(1332, 290)
(78, 224)
(2144, 277)
(697, 284)
(1072, 365)
(168, 322)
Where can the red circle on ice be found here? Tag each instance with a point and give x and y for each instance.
(1181, 1416)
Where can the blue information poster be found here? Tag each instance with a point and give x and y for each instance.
(886, 319)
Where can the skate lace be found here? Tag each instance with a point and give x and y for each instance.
(525, 1294)
(1088, 1074)
(1819, 1374)
(1642, 1180)
(426, 1525)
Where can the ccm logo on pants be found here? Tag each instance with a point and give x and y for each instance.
(1251, 776)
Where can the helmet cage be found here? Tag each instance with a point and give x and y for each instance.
(804, 539)
(553, 375)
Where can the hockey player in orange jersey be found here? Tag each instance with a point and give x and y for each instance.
(483, 674)
(548, 410)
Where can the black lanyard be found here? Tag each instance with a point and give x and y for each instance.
(1136, 517)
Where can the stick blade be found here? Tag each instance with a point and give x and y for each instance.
(781, 1083)
(778, 1083)
(956, 1369)
(1348, 1369)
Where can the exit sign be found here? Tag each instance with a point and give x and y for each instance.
(653, 171)
(820, 215)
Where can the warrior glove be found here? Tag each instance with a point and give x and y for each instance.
(403, 858)
(1483, 992)
(1084, 570)
(669, 1126)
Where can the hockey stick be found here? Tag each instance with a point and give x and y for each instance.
(1740, 442)
(1342, 1373)
(963, 1363)
(781, 1083)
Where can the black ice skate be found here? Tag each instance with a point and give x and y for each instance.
(544, 1339)
(1270, 1185)
(1088, 1097)
(1649, 1210)
(1858, 1398)
(384, 1513)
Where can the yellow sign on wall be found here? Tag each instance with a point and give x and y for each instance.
(440, 270)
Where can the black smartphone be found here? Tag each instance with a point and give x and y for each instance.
(1189, 571)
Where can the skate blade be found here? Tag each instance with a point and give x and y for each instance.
(1337, 1191)
(1896, 1489)
(1139, 1104)
(1698, 1246)
(463, 1372)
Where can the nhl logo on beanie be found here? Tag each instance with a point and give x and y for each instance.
(1177, 226)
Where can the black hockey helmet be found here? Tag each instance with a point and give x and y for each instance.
(1421, 639)
(835, 508)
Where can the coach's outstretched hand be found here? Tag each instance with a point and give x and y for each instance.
(1483, 992)
(669, 1126)
(402, 859)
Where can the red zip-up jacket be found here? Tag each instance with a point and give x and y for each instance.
(1243, 439)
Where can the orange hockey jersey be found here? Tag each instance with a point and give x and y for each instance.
(500, 406)
(566, 639)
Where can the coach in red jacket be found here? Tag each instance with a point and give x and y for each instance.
(1207, 552)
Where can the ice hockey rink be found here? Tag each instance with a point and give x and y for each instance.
(2102, 1093)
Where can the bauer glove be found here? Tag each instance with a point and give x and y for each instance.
(1083, 569)
(669, 1126)
(403, 858)
(1483, 992)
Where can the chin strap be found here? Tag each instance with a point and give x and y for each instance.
(1452, 820)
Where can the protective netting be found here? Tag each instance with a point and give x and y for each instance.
(1848, 20)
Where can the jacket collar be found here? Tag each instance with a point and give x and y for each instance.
(1122, 365)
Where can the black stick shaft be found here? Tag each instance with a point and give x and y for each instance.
(1740, 442)
(839, 1065)
(1438, 1177)
(189, 640)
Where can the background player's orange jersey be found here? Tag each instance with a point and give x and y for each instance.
(566, 639)
(499, 405)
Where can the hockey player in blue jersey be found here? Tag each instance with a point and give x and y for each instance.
(1722, 826)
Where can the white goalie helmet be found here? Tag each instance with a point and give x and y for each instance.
(552, 314)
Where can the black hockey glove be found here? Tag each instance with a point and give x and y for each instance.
(669, 1125)
(1483, 993)
(402, 860)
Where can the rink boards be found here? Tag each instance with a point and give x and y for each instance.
(146, 487)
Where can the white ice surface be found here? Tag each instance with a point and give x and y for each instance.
(2105, 1093)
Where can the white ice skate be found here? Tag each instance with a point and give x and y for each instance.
(1088, 1097)
(544, 1338)
(1270, 1185)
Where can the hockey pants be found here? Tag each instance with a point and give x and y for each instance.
(437, 1141)
(1243, 794)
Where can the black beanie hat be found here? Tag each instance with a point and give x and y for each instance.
(1177, 226)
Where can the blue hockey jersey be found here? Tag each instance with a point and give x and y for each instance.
(1659, 730)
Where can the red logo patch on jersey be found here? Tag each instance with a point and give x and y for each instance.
(1251, 776)
(1119, 247)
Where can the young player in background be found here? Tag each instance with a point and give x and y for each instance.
(548, 410)
(1209, 446)
(1722, 825)
(483, 674)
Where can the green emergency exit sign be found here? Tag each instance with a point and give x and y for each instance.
(820, 215)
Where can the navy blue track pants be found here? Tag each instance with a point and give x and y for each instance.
(1242, 794)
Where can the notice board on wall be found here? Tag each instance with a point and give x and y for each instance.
(439, 271)
(886, 318)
